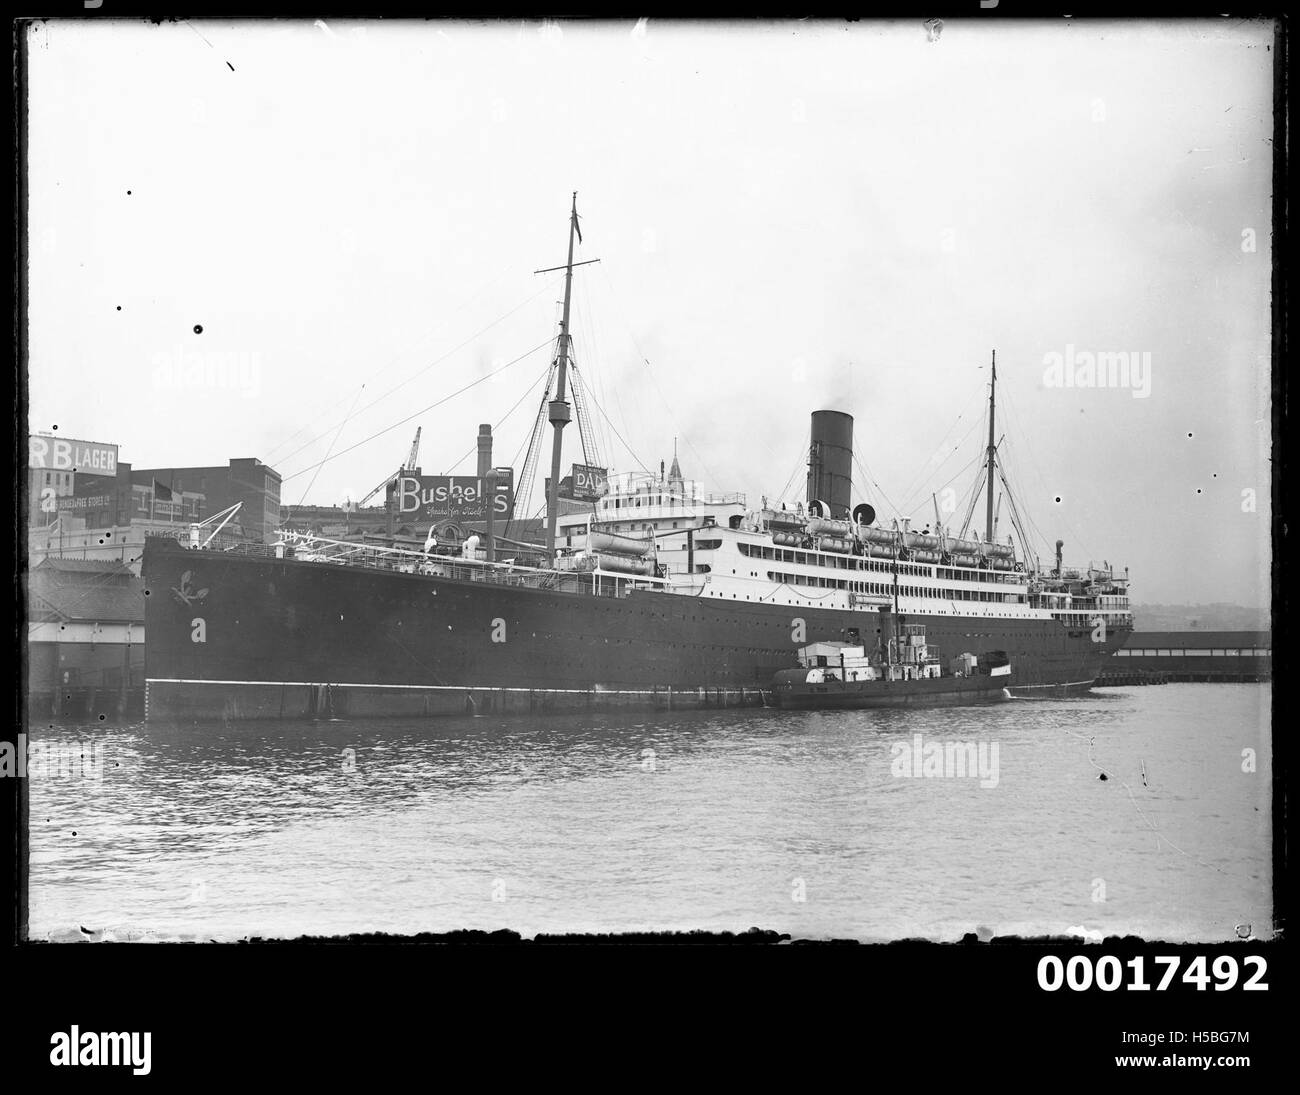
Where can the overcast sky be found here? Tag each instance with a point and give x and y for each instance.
(788, 217)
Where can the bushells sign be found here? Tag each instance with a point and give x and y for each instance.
(437, 497)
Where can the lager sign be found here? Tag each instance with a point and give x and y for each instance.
(434, 497)
(588, 483)
(65, 454)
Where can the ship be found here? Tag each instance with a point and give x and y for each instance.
(662, 596)
(904, 670)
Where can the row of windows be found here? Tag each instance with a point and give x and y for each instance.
(1226, 652)
(840, 562)
(968, 574)
(145, 504)
(883, 566)
(650, 500)
(886, 589)
(628, 526)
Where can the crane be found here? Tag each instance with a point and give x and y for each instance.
(408, 466)
(415, 450)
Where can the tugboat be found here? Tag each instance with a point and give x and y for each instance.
(905, 672)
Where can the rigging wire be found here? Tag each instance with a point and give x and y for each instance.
(527, 479)
(599, 434)
(970, 511)
(800, 462)
(655, 380)
(441, 322)
(1046, 492)
(1014, 415)
(617, 307)
(960, 472)
(332, 444)
(545, 397)
(470, 451)
(918, 490)
(933, 468)
(977, 487)
(423, 410)
(587, 436)
(1042, 537)
(866, 474)
(628, 447)
(968, 499)
(436, 361)
(1018, 522)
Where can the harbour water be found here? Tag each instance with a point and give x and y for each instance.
(802, 822)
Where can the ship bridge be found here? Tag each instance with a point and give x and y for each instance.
(645, 504)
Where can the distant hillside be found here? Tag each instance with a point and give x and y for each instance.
(1213, 617)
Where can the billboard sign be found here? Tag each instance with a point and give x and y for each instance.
(462, 497)
(89, 498)
(587, 483)
(66, 454)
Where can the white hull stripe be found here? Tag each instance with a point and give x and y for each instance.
(1063, 684)
(460, 687)
(499, 688)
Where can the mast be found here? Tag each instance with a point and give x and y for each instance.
(558, 409)
(988, 512)
(898, 627)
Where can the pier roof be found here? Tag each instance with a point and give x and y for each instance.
(1199, 640)
(85, 595)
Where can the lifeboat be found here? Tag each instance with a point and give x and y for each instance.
(622, 545)
(826, 526)
(621, 564)
(784, 519)
(834, 543)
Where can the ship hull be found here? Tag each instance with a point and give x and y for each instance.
(237, 636)
(791, 691)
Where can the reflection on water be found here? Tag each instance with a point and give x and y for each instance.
(797, 821)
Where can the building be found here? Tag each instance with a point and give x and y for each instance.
(335, 522)
(1192, 656)
(65, 475)
(85, 638)
(246, 480)
(84, 504)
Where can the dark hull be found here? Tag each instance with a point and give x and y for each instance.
(791, 691)
(284, 639)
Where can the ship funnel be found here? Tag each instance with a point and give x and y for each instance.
(484, 449)
(830, 462)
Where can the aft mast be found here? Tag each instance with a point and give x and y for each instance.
(988, 511)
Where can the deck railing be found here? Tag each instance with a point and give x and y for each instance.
(308, 548)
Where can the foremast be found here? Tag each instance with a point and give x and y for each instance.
(558, 408)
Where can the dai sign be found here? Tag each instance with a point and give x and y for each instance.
(65, 454)
(463, 496)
